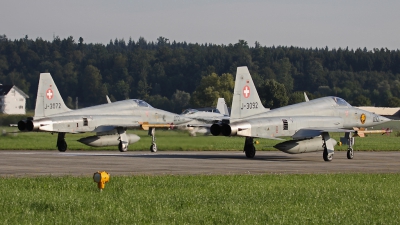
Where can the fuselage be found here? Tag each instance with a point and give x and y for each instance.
(203, 117)
(200, 121)
(126, 113)
(326, 112)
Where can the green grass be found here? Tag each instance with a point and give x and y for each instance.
(175, 140)
(235, 199)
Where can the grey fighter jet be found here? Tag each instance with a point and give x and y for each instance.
(202, 120)
(109, 121)
(307, 123)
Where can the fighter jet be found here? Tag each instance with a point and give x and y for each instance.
(201, 120)
(109, 121)
(307, 123)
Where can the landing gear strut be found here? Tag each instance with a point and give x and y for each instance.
(61, 143)
(249, 148)
(152, 133)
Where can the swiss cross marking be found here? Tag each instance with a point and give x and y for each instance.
(49, 94)
(246, 91)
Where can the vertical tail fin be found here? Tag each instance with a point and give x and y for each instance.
(48, 100)
(246, 101)
(222, 107)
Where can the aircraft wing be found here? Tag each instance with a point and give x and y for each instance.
(131, 122)
(117, 121)
(314, 132)
(271, 138)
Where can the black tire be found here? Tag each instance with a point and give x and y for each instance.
(121, 149)
(327, 158)
(62, 146)
(350, 153)
(153, 148)
(250, 151)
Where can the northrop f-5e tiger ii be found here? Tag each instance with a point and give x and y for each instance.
(109, 121)
(307, 123)
(202, 120)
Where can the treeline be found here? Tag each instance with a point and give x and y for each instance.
(176, 75)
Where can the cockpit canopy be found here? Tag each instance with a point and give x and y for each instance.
(341, 102)
(193, 111)
(141, 103)
(189, 111)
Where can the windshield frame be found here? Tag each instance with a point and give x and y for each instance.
(341, 102)
(141, 103)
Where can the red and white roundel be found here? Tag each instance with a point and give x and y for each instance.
(246, 91)
(49, 94)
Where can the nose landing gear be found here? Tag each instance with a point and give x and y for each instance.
(152, 133)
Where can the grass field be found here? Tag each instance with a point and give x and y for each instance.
(175, 140)
(235, 199)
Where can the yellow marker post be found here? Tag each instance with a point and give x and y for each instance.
(101, 178)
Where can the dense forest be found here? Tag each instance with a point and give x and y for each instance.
(177, 75)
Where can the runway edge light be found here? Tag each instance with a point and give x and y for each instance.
(101, 178)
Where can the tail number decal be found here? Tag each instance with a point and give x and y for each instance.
(250, 105)
(53, 106)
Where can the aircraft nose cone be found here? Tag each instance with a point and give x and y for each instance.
(384, 119)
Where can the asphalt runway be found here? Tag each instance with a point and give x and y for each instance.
(85, 163)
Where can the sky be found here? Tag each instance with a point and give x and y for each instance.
(301, 23)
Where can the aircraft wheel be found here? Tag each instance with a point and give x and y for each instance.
(350, 153)
(327, 157)
(122, 148)
(62, 146)
(250, 151)
(153, 148)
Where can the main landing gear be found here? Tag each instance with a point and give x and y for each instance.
(350, 143)
(61, 143)
(329, 150)
(152, 133)
(249, 148)
(328, 147)
(123, 140)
